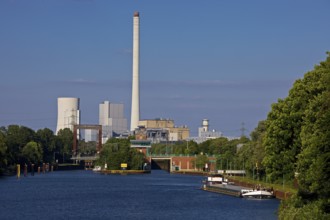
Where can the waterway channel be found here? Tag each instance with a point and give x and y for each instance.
(87, 195)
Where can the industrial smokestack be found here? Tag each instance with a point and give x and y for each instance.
(135, 110)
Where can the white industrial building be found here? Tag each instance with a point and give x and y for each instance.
(90, 135)
(68, 113)
(205, 134)
(111, 117)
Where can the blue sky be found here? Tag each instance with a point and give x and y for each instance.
(225, 60)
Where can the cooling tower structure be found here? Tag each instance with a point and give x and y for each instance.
(135, 109)
(68, 113)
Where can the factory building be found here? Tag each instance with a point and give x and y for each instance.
(158, 130)
(90, 135)
(205, 134)
(155, 135)
(68, 113)
(112, 119)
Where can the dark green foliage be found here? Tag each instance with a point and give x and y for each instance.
(200, 161)
(297, 141)
(20, 144)
(87, 148)
(64, 143)
(117, 151)
(16, 138)
(3, 156)
(176, 148)
(46, 138)
(252, 153)
(32, 153)
(285, 123)
(296, 208)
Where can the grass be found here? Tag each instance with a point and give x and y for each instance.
(279, 187)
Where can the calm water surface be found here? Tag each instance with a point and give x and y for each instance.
(88, 195)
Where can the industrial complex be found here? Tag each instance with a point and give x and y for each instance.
(112, 119)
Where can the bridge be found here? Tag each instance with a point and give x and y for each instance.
(176, 162)
(78, 157)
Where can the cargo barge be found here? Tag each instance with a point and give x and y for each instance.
(219, 184)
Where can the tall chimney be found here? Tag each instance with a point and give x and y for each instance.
(135, 111)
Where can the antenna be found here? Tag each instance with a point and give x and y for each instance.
(243, 129)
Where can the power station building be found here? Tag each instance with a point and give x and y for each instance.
(68, 113)
(159, 129)
(111, 117)
(205, 134)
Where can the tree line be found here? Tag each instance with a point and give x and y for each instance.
(22, 145)
(292, 144)
(297, 144)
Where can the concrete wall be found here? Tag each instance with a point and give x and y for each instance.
(182, 163)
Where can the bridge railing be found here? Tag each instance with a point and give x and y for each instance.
(79, 157)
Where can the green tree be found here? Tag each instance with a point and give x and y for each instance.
(3, 153)
(284, 123)
(32, 152)
(253, 153)
(117, 151)
(136, 159)
(200, 161)
(46, 138)
(16, 138)
(64, 143)
(298, 139)
(192, 148)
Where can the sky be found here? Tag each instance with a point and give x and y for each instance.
(222, 60)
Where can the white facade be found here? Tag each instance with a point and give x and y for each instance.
(90, 135)
(111, 117)
(205, 125)
(68, 113)
(205, 134)
(135, 111)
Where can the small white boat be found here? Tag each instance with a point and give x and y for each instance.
(257, 194)
(97, 168)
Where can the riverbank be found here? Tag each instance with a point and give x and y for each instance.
(124, 172)
(245, 182)
(278, 193)
(191, 172)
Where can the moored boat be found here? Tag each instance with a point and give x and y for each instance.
(97, 168)
(219, 184)
(257, 193)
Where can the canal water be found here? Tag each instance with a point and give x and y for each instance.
(88, 195)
